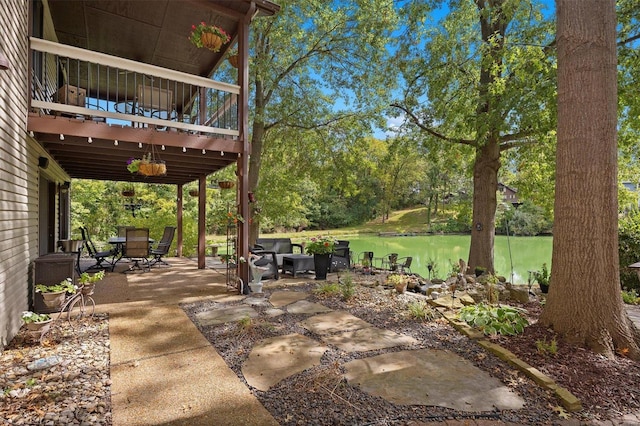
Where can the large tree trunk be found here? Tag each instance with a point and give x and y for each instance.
(485, 185)
(584, 302)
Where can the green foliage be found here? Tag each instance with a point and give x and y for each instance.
(347, 287)
(29, 317)
(419, 310)
(503, 319)
(64, 285)
(547, 348)
(630, 297)
(526, 220)
(86, 278)
(542, 277)
(320, 244)
(629, 249)
(328, 289)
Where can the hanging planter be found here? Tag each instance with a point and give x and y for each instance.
(233, 60)
(225, 184)
(209, 36)
(149, 165)
(194, 192)
(128, 193)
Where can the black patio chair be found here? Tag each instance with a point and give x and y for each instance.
(340, 259)
(404, 264)
(162, 249)
(99, 256)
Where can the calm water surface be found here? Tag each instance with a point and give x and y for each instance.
(527, 253)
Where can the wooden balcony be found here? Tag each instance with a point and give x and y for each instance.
(93, 111)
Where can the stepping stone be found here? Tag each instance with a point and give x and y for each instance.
(282, 298)
(273, 312)
(431, 377)
(334, 322)
(256, 301)
(368, 339)
(306, 307)
(223, 315)
(277, 358)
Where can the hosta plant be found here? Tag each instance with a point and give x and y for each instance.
(492, 320)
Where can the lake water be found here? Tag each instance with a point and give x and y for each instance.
(527, 253)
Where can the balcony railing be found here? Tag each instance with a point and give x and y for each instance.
(76, 82)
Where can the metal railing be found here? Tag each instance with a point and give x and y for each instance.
(76, 82)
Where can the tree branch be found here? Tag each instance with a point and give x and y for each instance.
(432, 132)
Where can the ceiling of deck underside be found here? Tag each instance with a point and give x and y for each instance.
(151, 31)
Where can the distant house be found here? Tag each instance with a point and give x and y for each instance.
(509, 195)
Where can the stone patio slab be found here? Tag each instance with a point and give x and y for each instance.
(306, 307)
(223, 315)
(431, 377)
(334, 322)
(282, 298)
(368, 339)
(274, 359)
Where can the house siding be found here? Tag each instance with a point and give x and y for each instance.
(19, 174)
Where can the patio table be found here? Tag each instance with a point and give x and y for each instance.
(295, 263)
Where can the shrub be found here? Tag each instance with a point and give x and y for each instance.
(491, 320)
(420, 310)
(629, 249)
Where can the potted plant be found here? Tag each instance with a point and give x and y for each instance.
(397, 281)
(321, 248)
(543, 278)
(54, 295)
(209, 36)
(35, 322)
(148, 165)
(88, 282)
(366, 267)
(233, 59)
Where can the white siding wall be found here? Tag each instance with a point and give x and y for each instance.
(18, 227)
(19, 173)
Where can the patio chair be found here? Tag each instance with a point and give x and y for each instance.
(389, 262)
(99, 256)
(162, 249)
(136, 249)
(404, 264)
(340, 259)
(122, 230)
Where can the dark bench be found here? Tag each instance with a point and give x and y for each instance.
(281, 247)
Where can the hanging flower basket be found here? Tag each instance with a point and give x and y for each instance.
(155, 168)
(128, 193)
(225, 184)
(233, 60)
(209, 36)
(194, 192)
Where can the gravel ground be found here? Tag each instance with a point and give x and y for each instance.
(73, 390)
(320, 396)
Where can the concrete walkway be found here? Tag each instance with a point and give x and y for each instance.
(165, 372)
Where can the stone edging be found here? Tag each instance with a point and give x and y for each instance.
(569, 401)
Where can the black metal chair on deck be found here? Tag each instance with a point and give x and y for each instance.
(162, 249)
(99, 256)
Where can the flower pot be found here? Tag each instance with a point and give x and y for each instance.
(88, 289)
(128, 193)
(401, 287)
(55, 299)
(321, 265)
(211, 41)
(233, 60)
(38, 326)
(544, 288)
(152, 169)
(255, 287)
(225, 184)
(194, 192)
